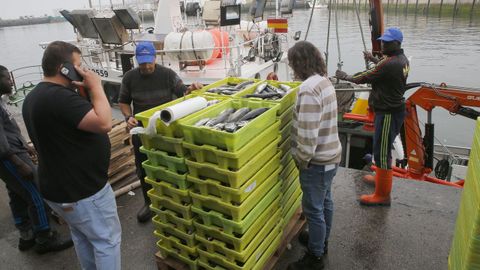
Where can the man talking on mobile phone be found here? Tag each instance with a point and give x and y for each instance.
(70, 135)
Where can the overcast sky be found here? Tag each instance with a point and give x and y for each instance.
(12, 9)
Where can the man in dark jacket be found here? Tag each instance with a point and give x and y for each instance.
(17, 171)
(388, 79)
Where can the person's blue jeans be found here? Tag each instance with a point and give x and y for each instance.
(95, 229)
(316, 183)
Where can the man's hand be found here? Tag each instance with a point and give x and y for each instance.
(341, 74)
(91, 80)
(369, 57)
(32, 152)
(131, 122)
(194, 86)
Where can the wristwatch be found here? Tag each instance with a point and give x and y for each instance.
(128, 117)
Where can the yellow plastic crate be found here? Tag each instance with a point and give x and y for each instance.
(168, 190)
(257, 260)
(287, 170)
(171, 217)
(223, 250)
(164, 159)
(286, 146)
(224, 140)
(233, 211)
(183, 210)
(285, 133)
(229, 226)
(191, 261)
(286, 117)
(286, 101)
(234, 195)
(231, 80)
(173, 243)
(291, 191)
(163, 174)
(167, 229)
(231, 160)
(285, 159)
(287, 215)
(233, 179)
(237, 242)
(163, 143)
(293, 176)
(172, 130)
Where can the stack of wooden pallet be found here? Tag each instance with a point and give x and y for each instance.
(121, 173)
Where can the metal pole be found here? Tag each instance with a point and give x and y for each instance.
(396, 7)
(471, 10)
(406, 8)
(276, 8)
(310, 21)
(440, 12)
(455, 8)
(90, 3)
(416, 7)
(340, 63)
(328, 30)
(428, 7)
(361, 29)
(388, 5)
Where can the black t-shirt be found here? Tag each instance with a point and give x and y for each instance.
(148, 91)
(73, 164)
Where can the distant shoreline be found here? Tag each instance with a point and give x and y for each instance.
(30, 21)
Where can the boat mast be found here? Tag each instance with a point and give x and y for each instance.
(376, 23)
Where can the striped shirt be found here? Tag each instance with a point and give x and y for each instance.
(314, 133)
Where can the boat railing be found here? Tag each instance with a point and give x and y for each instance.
(24, 79)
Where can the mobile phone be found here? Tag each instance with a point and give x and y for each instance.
(69, 72)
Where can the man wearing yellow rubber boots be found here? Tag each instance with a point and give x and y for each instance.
(388, 79)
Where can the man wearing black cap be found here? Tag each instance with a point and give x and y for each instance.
(388, 79)
(146, 87)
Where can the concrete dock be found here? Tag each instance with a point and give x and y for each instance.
(414, 233)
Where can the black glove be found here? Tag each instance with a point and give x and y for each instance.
(340, 74)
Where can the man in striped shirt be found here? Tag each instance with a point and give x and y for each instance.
(316, 148)
(388, 79)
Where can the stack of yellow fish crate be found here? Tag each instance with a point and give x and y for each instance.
(222, 199)
(465, 250)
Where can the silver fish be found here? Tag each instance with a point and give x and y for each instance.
(265, 96)
(285, 87)
(242, 85)
(275, 90)
(234, 117)
(219, 126)
(260, 88)
(253, 114)
(220, 118)
(201, 122)
(230, 127)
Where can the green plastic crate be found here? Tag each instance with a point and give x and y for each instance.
(233, 211)
(171, 217)
(221, 249)
(230, 227)
(184, 210)
(236, 80)
(163, 143)
(164, 159)
(224, 140)
(231, 160)
(234, 195)
(285, 159)
(234, 179)
(237, 242)
(287, 170)
(293, 190)
(172, 130)
(286, 102)
(286, 146)
(256, 261)
(168, 190)
(173, 243)
(287, 215)
(163, 174)
(168, 229)
(285, 133)
(286, 117)
(292, 177)
(191, 261)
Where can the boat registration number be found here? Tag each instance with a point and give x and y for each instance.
(100, 72)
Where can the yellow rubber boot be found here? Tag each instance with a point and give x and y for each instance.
(383, 188)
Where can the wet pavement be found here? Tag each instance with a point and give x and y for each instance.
(414, 233)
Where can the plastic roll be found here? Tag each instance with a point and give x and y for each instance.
(182, 109)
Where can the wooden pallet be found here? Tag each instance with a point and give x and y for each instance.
(122, 171)
(291, 230)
